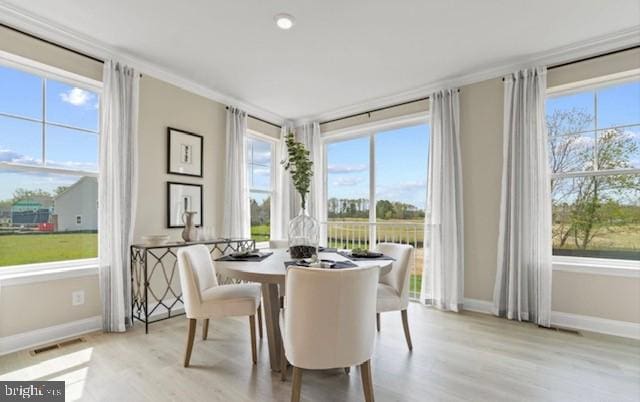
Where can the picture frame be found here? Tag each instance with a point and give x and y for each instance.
(183, 197)
(185, 153)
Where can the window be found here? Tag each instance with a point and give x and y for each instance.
(594, 152)
(48, 166)
(376, 189)
(259, 168)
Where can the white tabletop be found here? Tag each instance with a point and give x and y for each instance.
(272, 268)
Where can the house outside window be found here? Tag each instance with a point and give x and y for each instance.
(594, 154)
(49, 134)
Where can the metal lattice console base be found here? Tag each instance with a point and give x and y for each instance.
(155, 283)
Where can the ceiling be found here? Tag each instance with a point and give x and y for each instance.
(339, 53)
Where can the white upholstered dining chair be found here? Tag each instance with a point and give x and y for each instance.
(328, 322)
(204, 299)
(393, 288)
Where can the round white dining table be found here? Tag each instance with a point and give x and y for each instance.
(270, 272)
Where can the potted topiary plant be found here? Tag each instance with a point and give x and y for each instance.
(304, 231)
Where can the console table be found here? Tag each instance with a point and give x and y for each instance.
(155, 282)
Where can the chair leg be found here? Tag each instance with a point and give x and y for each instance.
(260, 320)
(367, 382)
(190, 336)
(205, 329)
(296, 384)
(378, 321)
(252, 328)
(405, 324)
(283, 363)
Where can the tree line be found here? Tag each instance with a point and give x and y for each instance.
(340, 208)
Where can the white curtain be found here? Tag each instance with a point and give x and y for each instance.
(117, 191)
(444, 249)
(282, 199)
(309, 135)
(523, 280)
(236, 222)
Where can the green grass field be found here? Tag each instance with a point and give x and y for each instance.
(33, 248)
(625, 238)
(260, 232)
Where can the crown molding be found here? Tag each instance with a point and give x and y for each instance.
(602, 44)
(47, 29)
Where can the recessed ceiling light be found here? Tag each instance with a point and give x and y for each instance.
(284, 21)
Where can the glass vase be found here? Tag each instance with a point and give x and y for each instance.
(304, 236)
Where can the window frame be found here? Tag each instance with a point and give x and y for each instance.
(368, 130)
(595, 265)
(256, 135)
(27, 273)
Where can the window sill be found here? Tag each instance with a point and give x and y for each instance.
(597, 266)
(33, 273)
(262, 244)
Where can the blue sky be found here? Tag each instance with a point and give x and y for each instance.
(617, 105)
(401, 166)
(21, 140)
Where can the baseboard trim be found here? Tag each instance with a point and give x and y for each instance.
(42, 336)
(571, 321)
(624, 329)
(478, 306)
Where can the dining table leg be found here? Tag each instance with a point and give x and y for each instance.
(271, 315)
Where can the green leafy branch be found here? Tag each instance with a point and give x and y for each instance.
(299, 165)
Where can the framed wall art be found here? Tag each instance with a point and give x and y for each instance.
(184, 153)
(181, 198)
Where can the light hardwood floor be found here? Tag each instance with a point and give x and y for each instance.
(456, 357)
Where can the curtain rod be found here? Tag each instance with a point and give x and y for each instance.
(259, 119)
(376, 110)
(88, 56)
(551, 67)
(596, 56)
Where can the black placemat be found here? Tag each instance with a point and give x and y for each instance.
(338, 264)
(228, 257)
(325, 250)
(347, 254)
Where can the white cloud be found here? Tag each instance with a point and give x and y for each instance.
(261, 171)
(634, 135)
(346, 169)
(7, 155)
(262, 157)
(411, 192)
(86, 166)
(77, 96)
(347, 181)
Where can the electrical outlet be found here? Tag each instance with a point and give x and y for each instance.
(77, 298)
